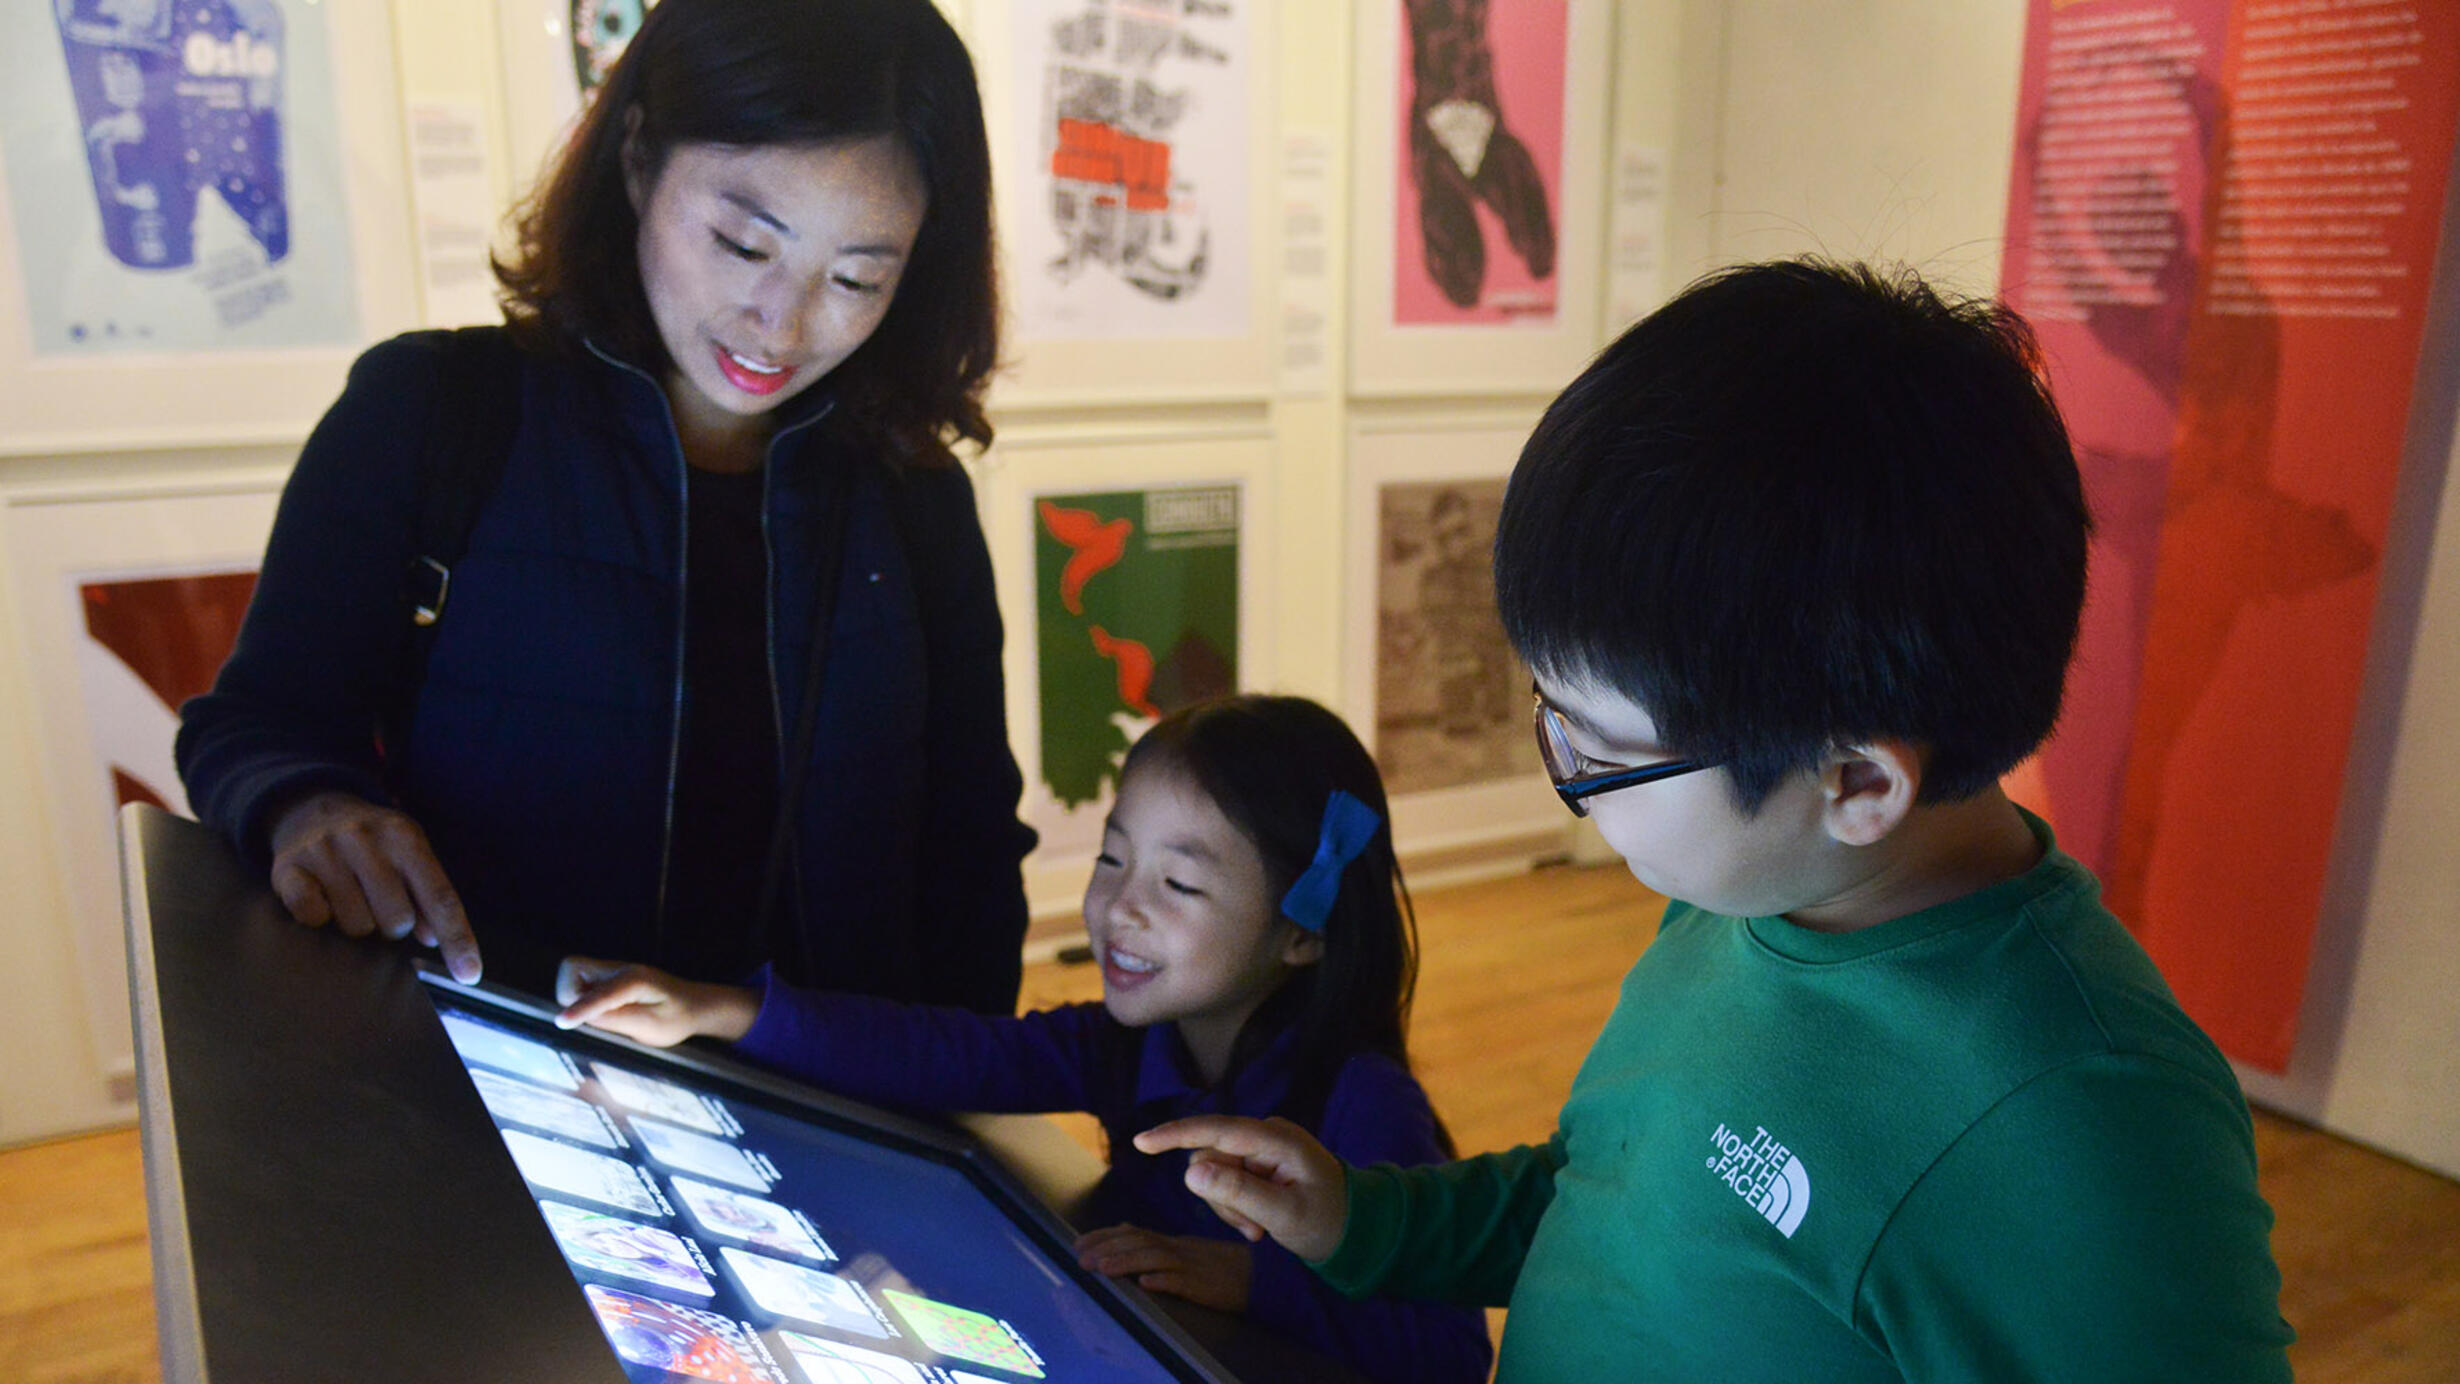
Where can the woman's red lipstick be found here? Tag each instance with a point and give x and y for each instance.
(748, 380)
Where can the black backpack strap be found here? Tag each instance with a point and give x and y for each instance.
(471, 420)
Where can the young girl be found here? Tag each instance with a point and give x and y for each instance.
(1257, 959)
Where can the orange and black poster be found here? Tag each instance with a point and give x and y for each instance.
(2223, 219)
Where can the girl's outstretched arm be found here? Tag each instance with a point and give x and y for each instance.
(1265, 1177)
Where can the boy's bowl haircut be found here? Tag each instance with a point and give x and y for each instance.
(1801, 506)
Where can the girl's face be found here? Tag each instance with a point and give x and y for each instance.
(766, 267)
(1182, 919)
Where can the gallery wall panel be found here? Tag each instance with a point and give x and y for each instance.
(126, 600)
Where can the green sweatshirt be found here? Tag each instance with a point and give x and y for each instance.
(1979, 1143)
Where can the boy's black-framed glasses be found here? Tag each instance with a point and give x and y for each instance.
(1578, 778)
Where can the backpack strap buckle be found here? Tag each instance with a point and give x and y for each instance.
(430, 583)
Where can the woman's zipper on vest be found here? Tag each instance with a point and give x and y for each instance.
(683, 596)
(777, 701)
(792, 840)
(674, 734)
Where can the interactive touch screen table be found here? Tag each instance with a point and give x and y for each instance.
(357, 1171)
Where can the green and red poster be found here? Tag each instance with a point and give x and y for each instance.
(1136, 605)
(2223, 218)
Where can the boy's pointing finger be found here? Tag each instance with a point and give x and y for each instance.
(1197, 1131)
(1267, 1176)
(1230, 1134)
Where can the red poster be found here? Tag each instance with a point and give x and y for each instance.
(150, 644)
(2222, 221)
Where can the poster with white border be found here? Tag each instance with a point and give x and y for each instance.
(177, 177)
(1451, 698)
(1414, 453)
(1108, 304)
(546, 47)
(1129, 128)
(1026, 465)
(169, 280)
(104, 725)
(1540, 352)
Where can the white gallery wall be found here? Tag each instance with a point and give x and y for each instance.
(1870, 128)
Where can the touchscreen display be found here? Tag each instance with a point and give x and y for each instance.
(721, 1233)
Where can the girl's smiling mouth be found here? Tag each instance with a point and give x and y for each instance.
(1125, 970)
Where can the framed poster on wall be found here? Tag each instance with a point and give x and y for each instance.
(1132, 153)
(1136, 614)
(1427, 677)
(555, 51)
(203, 218)
(1134, 577)
(1477, 219)
(128, 602)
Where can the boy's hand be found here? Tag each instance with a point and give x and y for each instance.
(649, 1006)
(1265, 1177)
(1214, 1273)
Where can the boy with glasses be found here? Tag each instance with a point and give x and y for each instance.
(1798, 564)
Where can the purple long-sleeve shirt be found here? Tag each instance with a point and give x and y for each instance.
(1077, 1057)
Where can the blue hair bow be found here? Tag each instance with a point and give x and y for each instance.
(1348, 826)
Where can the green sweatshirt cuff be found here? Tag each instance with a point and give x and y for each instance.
(1371, 1211)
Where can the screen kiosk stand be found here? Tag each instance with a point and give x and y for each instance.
(328, 1196)
(327, 1201)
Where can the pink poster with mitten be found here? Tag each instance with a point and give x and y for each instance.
(1478, 175)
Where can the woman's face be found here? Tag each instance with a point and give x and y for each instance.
(766, 267)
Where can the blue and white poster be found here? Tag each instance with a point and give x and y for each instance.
(174, 173)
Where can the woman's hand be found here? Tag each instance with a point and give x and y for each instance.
(1265, 1177)
(649, 1006)
(366, 869)
(1213, 1273)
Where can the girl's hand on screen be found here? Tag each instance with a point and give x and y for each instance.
(1213, 1273)
(647, 1005)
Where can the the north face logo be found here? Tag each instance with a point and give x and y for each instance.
(1766, 1174)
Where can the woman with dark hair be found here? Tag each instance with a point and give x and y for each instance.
(714, 675)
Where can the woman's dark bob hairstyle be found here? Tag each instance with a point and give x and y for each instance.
(752, 73)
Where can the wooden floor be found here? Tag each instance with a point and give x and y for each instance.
(1518, 975)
